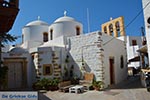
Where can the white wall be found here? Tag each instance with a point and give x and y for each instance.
(147, 26)
(114, 48)
(88, 43)
(132, 50)
(30, 68)
(59, 41)
(45, 54)
(34, 34)
(65, 28)
(85, 44)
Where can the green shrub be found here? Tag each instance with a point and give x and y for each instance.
(98, 85)
(45, 84)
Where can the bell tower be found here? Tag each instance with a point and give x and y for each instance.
(114, 27)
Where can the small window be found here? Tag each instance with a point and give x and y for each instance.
(51, 34)
(148, 20)
(45, 37)
(134, 42)
(47, 69)
(22, 38)
(117, 26)
(105, 29)
(111, 28)
(77, 30)
(32, 56)
(121, 62)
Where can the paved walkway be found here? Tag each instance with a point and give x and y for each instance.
(128, 90)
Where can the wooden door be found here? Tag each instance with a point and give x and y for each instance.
(112, 74)
(14, 75)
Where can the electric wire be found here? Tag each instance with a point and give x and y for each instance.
(130, 21)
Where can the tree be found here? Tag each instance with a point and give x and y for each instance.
(4, 38)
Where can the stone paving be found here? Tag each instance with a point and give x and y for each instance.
(128, 90)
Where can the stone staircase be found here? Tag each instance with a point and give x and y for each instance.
(57, 67)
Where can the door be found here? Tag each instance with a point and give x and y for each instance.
(112, 74)
(15, 75)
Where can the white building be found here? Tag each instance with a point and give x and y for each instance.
(61, 50)
(145, 50)
(133, 44)
(146, 9)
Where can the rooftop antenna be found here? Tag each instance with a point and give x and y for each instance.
(88, 22)
(38, 17)
(65, 13)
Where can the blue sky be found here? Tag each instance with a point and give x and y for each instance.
(100, 12)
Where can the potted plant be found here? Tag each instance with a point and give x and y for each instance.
(98, 85)
(53, 84)
(41, 84)
(75, 80)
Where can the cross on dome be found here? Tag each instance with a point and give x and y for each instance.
(38, 17)
(65, 13)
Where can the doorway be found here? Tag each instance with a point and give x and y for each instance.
(112, 73)
(17, 73)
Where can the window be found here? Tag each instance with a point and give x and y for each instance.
(77, 30)
(111, 28)
(105, 29)
(47, 69)
(51, 34)
(121, 62)
(134, 42)
(117, 26)
(32, 56)
(148, 20)
(22, 38)
(45, 37)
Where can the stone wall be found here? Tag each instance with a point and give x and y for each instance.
(93, 51)
(85, 51)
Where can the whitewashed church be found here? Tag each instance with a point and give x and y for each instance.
(61, 50)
